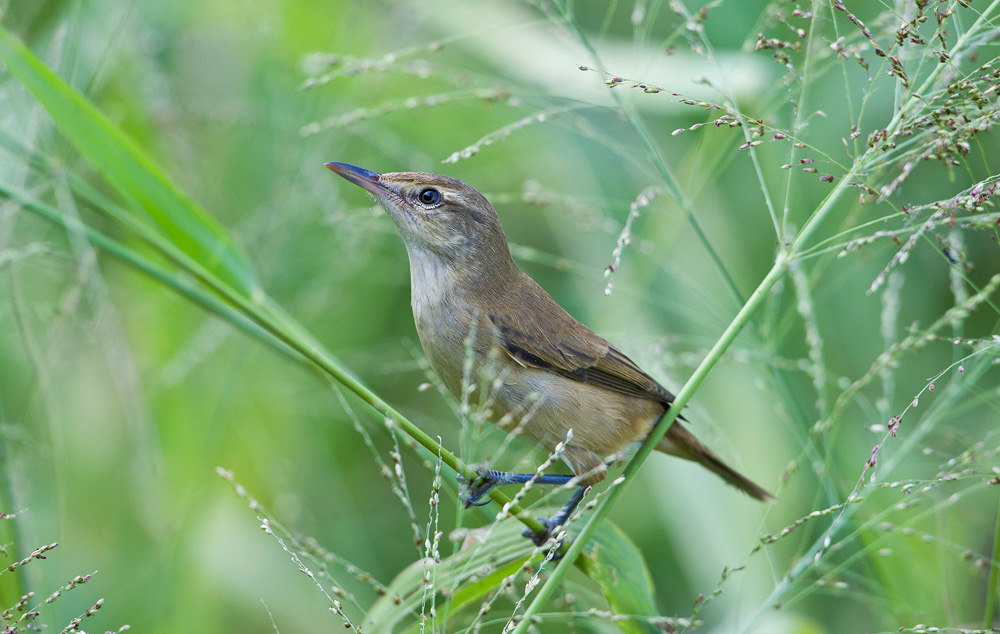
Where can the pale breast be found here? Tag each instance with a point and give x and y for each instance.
(543, 405)
(604, 422)
(442, 321)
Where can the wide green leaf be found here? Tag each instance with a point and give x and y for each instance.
(156, 201)
(621, 572)
(467, 576)
(473, 575)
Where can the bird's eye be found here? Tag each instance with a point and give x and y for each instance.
(430, 196)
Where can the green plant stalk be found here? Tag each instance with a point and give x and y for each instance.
(776, 375)
(375, 402)
(11, 586)
(799, 245)
(141, 182)
(756, 299)
(692, 384)
(777, 271)
(266, 322)
(992, 587)
(723, 343)
(807, 559)
(661, 167)
(799, 114)
(144, 265)
(237, 285)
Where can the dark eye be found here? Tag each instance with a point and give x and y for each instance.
(430, 196)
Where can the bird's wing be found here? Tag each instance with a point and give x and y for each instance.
(536, 332)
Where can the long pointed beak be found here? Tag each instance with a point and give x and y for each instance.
(359, 176)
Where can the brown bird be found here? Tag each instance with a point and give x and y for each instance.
(551, 374)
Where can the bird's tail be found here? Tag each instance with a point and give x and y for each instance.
(680, 442)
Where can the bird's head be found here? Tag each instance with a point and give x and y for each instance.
(438, 217)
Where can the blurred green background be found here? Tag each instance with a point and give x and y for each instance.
(119, 399)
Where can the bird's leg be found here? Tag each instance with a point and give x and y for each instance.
(557, 520)
(472, 492)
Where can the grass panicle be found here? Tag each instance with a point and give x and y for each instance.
(821, 247)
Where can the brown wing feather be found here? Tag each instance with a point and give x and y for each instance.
(537, 332)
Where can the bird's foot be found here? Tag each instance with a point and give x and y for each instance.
(541, 537)
(472, 491)
(556, 522)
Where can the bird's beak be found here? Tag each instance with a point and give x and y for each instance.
(359, 176)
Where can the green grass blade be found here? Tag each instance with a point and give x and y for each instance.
(185, 233)
(612, 561)
(620, 570)
(169, 278)
(461, 573)
(993, 585)
(130, 171)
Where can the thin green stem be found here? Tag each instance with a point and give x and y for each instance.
(821, 545)
(144, 265)
(692, 384)
(655, 156)
(11, 586)
(993, 587)
(799, 116)
(725, 340)
(267, 322)
(779, 235)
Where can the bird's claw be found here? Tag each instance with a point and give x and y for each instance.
(540, 539)
(471, 492)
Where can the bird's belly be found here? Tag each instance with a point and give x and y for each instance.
(603, 422)
(538, 404)
(446, 353)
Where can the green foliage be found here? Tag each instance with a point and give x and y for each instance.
(624, 578)
(124, 166)
(792, 205)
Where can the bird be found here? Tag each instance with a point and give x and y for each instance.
(552, 377)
